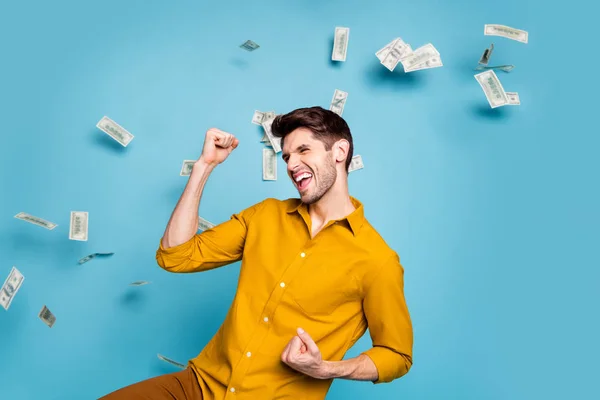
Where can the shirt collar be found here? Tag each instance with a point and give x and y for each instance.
(355, 219)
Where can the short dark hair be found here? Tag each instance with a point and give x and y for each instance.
(325, 125)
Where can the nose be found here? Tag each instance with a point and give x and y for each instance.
(293, 163)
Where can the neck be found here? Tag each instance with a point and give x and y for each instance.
(335, 204)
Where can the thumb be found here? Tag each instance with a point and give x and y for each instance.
(307, 340)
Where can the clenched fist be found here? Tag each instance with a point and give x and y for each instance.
(217, 146)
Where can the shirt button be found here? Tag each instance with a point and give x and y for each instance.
(248, 354)
(266, 319)
(282, 284)
(232, 390)
(302, 255)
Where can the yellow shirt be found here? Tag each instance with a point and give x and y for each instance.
(336, 285)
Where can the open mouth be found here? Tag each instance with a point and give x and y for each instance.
(303, 180)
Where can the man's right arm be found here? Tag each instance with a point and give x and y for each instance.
(181, 249)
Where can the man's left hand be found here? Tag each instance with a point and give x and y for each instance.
(303, 355)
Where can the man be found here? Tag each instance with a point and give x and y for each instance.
(314, 276)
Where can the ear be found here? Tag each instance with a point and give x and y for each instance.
(340, 150)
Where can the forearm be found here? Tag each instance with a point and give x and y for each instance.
(359, 368)
(183, 223)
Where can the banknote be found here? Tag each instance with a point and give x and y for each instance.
(513, 99)
(383, 52)
(505, 68)
(338, 102)
(47, 317)
(115, 131)
(204, 225)
(258, 117)
(11, 286)
(433, 62)
(36, 221)
(340, 43)
(186, 167)
(356, 163)
(507, 32)
(487, 54)
(166, 359)
(269, 165)
(139, 283)
(494, 92)
(78, 229)
(395, 55)
(92, 256)
(249, 45)
(265, 139)
(275, 141)
(419, 56)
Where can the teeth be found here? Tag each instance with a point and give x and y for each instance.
(304, 175)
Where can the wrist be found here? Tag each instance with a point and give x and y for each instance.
(203, 164)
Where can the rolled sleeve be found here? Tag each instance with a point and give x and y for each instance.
(389, 322)
(215, 247)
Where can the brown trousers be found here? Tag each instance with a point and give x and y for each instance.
(181, 385)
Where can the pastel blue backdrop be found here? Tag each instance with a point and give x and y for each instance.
(493, 212)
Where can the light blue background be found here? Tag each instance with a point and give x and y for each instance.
(493, 212)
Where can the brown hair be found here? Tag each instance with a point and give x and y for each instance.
(326, 126)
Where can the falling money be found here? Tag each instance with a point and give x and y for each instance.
(186, 168)
(415, 60)
(393, 52)
(494, 92)
(356, 163)
(487, 54)
(47, 317)
(204, 225)
(275, 141)
(513, 99)
(11, 286)
(175, 363)
(269, 165)
(139, 283)
(338, 102)
(249, 45)
(506, 32)
(92, 256)
(78, 229)
(36, 221)
(340, 44)
(115, 131)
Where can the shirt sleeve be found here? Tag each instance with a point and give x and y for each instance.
(215, 247)
(389, 322)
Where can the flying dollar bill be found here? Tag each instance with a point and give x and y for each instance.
(78, 229)
(115, 131)
(269, 165)
(275, 141)
(356, 163)
(419, 56)
(338, 102)
(249, 45)
(513, 99)
(506, 32)
(494, 92)
(487, 54)
(340, 43)
(432, 62)
(11, 286)
(139, 283)
(258, 117)
(396, 53)
(166, 359)
(383, 52)
(36, 221)
(47, 317)
(186, 168)
(505, 68)
(92, 256)
(204, 225)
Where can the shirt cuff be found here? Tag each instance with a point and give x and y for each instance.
(175, 249)
(384, 360)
